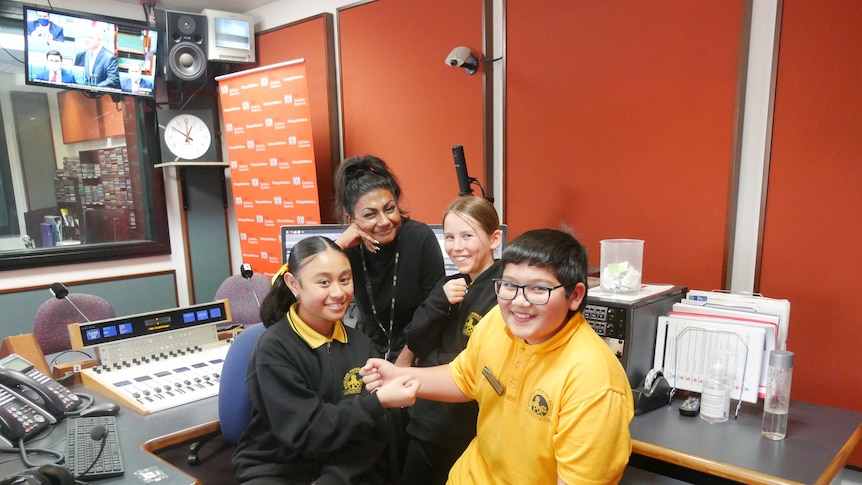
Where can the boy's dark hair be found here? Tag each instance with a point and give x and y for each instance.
(358, 176)
(277, 302)
(556, 250)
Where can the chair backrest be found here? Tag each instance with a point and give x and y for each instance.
(240, 294)
(234, 405)
(54, 315)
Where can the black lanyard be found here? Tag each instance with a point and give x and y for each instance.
(371, 298)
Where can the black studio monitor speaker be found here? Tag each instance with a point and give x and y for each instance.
(184, 53)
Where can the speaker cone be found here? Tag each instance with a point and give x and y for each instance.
(187, 61)
(186, 24)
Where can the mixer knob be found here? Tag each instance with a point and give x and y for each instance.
(117, 365)
(206, 378)
(136, 395)
(187, 382)
(146, 393)
(216, 375)
(167, 387)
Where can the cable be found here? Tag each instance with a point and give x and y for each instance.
(24, 451)
(54, 360)
(87, 401)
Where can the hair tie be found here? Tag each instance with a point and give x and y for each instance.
(278, 274)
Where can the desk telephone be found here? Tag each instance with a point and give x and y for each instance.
(30, 400)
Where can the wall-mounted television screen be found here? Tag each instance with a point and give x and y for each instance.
(73, 50)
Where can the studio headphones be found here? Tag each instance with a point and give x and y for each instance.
(43, 475)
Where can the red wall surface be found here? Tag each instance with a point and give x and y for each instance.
(813, 225)
(620, 124)
(400, 100)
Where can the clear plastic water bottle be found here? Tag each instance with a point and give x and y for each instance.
(715, 396)
(776, 405)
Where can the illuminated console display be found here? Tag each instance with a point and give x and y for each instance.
(119, 328)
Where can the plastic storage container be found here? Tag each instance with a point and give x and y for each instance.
(622, 265)
(776, 405)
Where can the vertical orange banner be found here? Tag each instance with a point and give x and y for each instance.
(268, 133)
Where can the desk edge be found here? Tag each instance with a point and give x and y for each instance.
(704, 465)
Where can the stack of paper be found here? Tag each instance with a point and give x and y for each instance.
(746, 326)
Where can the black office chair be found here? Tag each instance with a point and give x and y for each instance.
(234, 405)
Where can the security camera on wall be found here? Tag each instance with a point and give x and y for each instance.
(462, 57)
(231, 36)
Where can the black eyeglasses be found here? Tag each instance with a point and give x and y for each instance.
(534, 294)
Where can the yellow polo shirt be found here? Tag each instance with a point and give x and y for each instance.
(564, 412)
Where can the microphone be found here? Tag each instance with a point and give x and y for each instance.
(246, 272)
(97, 432)
(60, 292)
(461, 170)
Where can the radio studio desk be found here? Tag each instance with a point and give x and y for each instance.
(819, 441)
(818, 444)
(140, 436)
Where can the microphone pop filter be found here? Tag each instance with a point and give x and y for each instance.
(59, 290)
(98, 432)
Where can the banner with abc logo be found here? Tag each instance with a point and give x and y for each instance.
(267, 128)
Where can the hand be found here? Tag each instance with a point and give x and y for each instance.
(398, 392)
(353, 236)
(455, 290)
(405, 358)
(377, 372)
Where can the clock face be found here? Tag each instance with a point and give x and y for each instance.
(187, 136)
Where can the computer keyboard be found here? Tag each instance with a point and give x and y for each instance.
(83, 449)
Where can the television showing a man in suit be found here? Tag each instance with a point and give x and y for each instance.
(100, 64)
(43, 28)
(136, 83)
(53, 71)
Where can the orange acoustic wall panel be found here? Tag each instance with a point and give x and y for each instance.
(312, 39)
(813, 224)
(620, 124)
(400, 100)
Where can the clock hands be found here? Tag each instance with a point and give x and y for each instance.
(187, 135)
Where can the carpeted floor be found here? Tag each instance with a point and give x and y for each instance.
(214, 467)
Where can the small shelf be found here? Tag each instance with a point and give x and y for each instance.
(191, 164)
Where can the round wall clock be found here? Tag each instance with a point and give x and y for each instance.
(187, 135)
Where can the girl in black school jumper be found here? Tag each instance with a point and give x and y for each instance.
(439, 432)
(396, 260)
(312, 421)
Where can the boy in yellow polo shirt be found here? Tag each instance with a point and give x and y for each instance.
(554, 402)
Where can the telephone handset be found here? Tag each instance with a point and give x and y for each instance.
(22, 378)
(20, 418)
